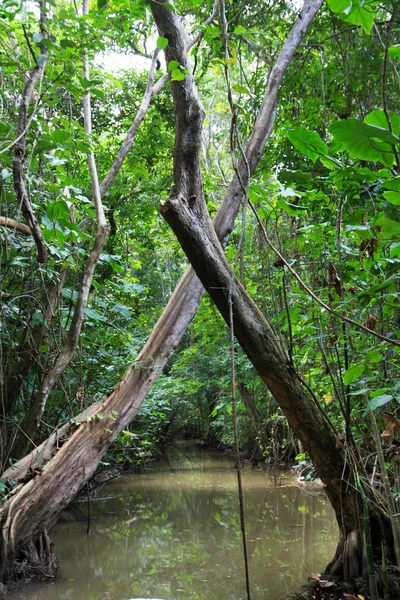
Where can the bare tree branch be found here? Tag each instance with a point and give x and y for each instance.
(210, 19)
(16, 225)
(130, 136)
(151, 91)
(20, 147)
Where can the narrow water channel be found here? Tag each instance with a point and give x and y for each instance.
(174, 533)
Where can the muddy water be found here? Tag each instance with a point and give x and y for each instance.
(173, 533)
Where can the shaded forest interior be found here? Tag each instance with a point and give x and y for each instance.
(201, 243)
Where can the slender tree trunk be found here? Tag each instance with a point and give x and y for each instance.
(254, 418)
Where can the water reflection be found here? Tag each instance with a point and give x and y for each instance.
(174, 533)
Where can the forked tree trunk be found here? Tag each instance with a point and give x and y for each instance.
(187, 214)
(34, 505)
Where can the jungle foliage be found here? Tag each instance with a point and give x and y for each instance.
(317, 245)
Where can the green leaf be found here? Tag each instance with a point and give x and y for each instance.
(378, 287)
(177, 75)
(356, 12)
(101, 4)
(353, 373)
(395, 250)
(377, 402)
(392, 184)
(338, 6)
(65, 43)
(390, 228)
(298, 177)
(37, 38)
(307, 142)
(162, 43)
(292, 209)
(394, 51)
(364, 141)
(95, 316)
(379, 119)
(173, 64)
(241, 89)
(58, 209)
(41, 59)
(392, 197)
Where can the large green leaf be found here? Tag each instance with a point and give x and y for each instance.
(377, 402)
(394, 51)
(308, 142)
(356, 12)
(162, 43)
(298, 177)
(378, 287)
(58, 209)
(392, 184)
(365, 141)
(353, 373)
(378, 118)
(392, 197)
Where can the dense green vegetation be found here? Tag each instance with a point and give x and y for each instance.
(317, 244)
(334, 220)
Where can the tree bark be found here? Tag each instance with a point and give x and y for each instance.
(15, 225)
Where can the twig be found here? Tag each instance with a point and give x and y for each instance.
(29, 44)
(210, 19)
(152, 89)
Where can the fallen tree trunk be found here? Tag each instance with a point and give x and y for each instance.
(36, 505)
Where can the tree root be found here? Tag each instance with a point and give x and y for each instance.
(36, 561)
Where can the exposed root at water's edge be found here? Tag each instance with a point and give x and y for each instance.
(329, 587)
(36, 562)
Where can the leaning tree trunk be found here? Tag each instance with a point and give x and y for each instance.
(71, 456)
(187, 214)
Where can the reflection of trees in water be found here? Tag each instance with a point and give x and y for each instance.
(180, 531)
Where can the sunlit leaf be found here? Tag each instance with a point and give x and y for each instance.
(162, 43)
(353, 373)
(356, 12)
(364, 141)
(308, 142)
(394, 51)
(392, 197)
